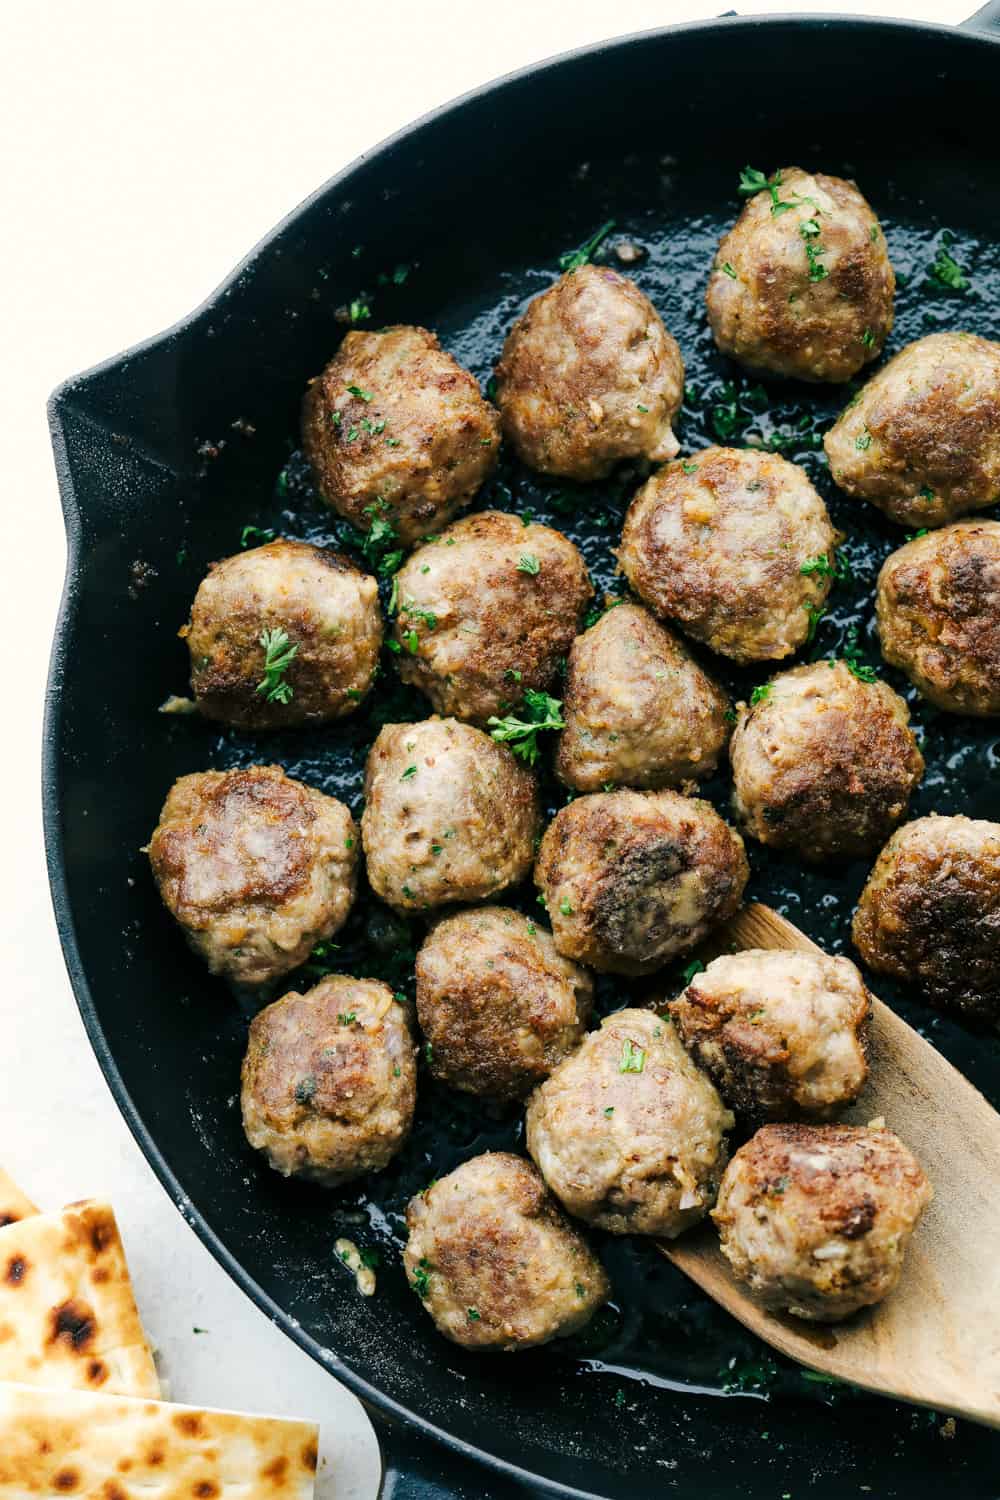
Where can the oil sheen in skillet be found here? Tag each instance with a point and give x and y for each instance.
(659, 1328)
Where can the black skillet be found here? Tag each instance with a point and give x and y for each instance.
(159, 472)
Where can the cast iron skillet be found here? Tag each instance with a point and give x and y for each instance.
(478, 201)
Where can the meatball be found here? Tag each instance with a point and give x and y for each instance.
(627, 1132)
(938, 608)
(823, 762)
(816, 1218)
(394, 429)
(494, 1259)
(329, 1081)
(589, 376)
(255, 867)
(781, 1034)
(922, 439)
(449, 816)
(639, 711)
(801, 285)
(930, 913)
(498, 1005)
(281, 635)
(485, 613)
(736, 546)
(630, 879)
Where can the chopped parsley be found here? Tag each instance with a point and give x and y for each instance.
(809, 231)
(911, 536)
(346, 1017)
(945, 270)
(472, 1314)
(696, 966)
(609, 1111)
(528, 563)
(852, 658)
(688, 468)
(639, 407)
(279, 653)
(751, 182)
(421, 1277)
(411, 641)
(565, 907)
(408, 773)
(760, 694)
(815, 614)
(355, 390)
(258, 535)
(414, 611)
(358, 310)
(927, 493)
(633, 1058)
(729, 269)
(867, 338)
(863, 441)
(572, 260)
(837, 568)
(380, 546)
(541, 711)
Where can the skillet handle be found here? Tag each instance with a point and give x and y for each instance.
(985, 19)
(415, 1467)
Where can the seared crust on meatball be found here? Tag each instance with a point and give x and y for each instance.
(449, 816)
(938, 610)
(255, 867)
(639, 711)
(496, 1262)
(719, 545)
(922, 439)
(329, 1080)
(782, 1035)
(589, 376)
(328, 610)
(930, 913)
(395, 428)
(627, 1132)
(816, 1218)
(496, 1002)
(805, 290)
(823, 763)
(486, 611)
(630, 879)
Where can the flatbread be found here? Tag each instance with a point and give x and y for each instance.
(89, 1446)
(13, 1203)
(68, 1317)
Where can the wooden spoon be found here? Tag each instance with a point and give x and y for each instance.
(936, 1339)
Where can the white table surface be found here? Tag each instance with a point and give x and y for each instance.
(145, 145)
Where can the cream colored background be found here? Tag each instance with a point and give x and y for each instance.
(144, 146)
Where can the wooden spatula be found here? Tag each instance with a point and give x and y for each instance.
(936, 1339)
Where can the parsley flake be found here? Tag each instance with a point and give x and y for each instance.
(528, 563)
(633, 1058)
(542, 712)
(279, 653)
(572, 260)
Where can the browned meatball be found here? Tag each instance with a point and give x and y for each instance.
(930, 913)
(823, 763)
(256, 868)
(281, 635)
(486, 611)
(639, 711)
(816, 1218)
(449, 817)
(329, 1081)
(938, 608)
(395, 429)
(589, 376)
(736, 546)
(630, 879)
(627, 1132)
(496, 1262)
(802, 284)
(782, 1035)
(922, 439)
(498, 1005)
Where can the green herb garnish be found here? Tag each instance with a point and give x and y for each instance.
(572, 260)
(760, 694)
(633, 1058)
(256, 534)
(542, 712)
(279, 653)
(528, 563)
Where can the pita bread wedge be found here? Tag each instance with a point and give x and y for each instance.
(14, 1205)
(88, 1446)
(68, 1318)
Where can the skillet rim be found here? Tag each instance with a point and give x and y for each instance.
(383, 1411)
